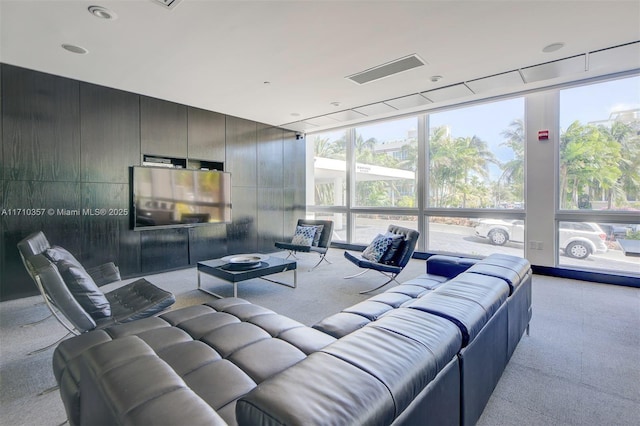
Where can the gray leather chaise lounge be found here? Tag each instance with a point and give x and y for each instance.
(427, 352)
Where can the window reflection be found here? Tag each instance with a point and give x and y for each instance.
(367, 226)
(607, 246)
(477, 237)
(476, 156)
(329, 168)
(600, 146)
(386, 162)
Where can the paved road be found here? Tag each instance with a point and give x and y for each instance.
(462, 239)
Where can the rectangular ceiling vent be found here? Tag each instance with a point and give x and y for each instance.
(388, 69)
(169, 4)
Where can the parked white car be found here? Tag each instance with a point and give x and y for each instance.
(577, 239)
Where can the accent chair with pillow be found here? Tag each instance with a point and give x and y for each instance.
(310, 236)
(72, 293)
(388, 254)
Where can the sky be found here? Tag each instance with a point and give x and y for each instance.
(597, 101)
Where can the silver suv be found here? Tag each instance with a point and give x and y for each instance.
(577, 239)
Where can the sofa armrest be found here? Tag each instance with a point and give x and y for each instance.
(125, 382)
(449, 266)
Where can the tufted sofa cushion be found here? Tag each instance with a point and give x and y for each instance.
(155, 392)
(217, 350)
(469, 301)
(393, 358)
(429, 351)
(360, 314)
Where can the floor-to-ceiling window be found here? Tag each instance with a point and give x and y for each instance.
(459, 176)
(476, 179)
(327, 190)
(598, 222)
(385, 177)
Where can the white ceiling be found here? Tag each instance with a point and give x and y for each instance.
(217, 55)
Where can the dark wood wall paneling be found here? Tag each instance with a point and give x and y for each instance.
(163, 132)
(207, 242)
(163, 128)
(295, 201)
(164, 249)
(106, 233)
(110, 126)
(2, 224)
(41, 131)
(206, 141)
(41, 153)
(270, 150)
(110, 145)
(206, 135)
(241, 151)
(68, 146)
(241, 155)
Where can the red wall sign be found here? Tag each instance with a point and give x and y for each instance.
(543, 135)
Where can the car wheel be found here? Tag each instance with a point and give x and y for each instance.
(498, 237)
(577, 250)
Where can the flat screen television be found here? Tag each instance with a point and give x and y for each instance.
(172, 197)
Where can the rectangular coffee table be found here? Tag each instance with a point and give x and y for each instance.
(270, 265)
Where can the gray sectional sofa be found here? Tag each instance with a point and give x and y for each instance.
(427, 352)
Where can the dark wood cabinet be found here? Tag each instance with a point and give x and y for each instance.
(207, 242)
(163, 128)
(270, 153)
(206, 135)
(41, 126)
(110, 126)
(59, 220)
(105, 226)
(270, 218)
(295, 159)
(1, 150)
(241, 151)
(242, 232)
(69, 145)
(163, 250)
(295, 201)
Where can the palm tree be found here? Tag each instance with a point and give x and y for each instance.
(325, 148)
(513, 170)
(589, 160)
(628, 185)
(453, 163)
(441, 167)
(474, 158)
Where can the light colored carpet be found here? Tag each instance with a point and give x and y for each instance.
(578, 367)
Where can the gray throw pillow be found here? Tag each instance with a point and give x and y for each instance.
(57, 254)
(84, 289)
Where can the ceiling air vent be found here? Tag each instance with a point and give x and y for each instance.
(386, 70)
(169, 4)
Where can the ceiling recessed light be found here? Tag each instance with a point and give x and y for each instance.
(435, 78)
(295, 114)
(101, 12)
(75, 49)
(335, 104)
(553, 47)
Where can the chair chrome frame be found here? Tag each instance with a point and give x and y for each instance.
(323, 244)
